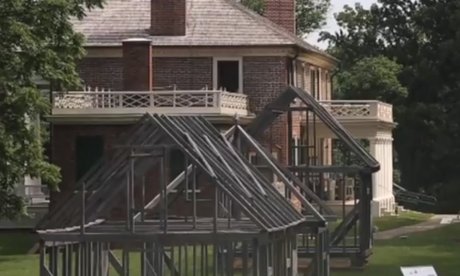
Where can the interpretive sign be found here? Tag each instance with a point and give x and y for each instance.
(418, 271)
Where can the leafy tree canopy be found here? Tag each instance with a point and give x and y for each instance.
(37, 39)
(310, 14)
(422, 38)
(372, 78)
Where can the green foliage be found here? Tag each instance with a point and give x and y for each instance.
(255, 5)
(372, 78)
(422, 38)
(37, 39)
(310, 14)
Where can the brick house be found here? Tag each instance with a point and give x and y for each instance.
(210, 57)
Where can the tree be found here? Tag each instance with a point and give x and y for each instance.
(310, 14)
(37, 39)
(372, 78)
(422, 37)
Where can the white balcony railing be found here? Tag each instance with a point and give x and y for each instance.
(360, 110)
(203, 102)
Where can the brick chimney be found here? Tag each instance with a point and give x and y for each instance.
(281, 12)
(137, 64)
(167, 17)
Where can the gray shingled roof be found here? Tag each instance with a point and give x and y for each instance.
(209, 23)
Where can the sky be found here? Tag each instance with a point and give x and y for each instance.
(331, 26)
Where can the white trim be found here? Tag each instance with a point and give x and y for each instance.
(215, 60)
(296, 150)
(320, 85)
(252, 158)
(275, 176)
(294, 73)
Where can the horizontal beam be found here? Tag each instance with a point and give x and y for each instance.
(320, 169)
(171, 238)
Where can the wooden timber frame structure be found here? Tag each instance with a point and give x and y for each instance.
(352, 230)
(231, 220)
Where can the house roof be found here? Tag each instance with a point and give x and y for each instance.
(209, 23)
(205, 147)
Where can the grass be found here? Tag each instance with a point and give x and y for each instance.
(439, 247)
(14, 260)
(405, 218)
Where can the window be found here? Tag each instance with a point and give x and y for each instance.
(296, 156)
(266, 171)
(228, 74)
(314, 82)
(176, 164)
(88, 150)
(253, 158)
(176, 167)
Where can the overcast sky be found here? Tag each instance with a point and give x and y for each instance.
(337, 5)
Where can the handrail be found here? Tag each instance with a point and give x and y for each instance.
(359, 109)
(353, 101)
(150, 99)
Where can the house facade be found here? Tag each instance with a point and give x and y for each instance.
(213, 58)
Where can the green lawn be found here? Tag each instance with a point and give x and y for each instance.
(14, 260)
(405, 218)
(439, 247)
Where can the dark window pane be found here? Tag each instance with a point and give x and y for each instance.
(89, 149)
(228, 75)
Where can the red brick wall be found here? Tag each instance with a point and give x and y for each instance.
(265, 78)
(168, 17)
(63, 148)
(104, 73)
(64, 156)
(187, 73)
(281, 12)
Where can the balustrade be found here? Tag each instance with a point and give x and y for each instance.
(180, 102)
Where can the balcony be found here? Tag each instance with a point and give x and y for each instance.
(363, 119)
(135, 103)
(349, 111)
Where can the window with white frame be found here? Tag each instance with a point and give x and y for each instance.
(315, 82)
(228, 74)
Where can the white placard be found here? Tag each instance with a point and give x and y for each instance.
(418, 271)
(446, 220)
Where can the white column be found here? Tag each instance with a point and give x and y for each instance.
(382, 181)
(376, 150)
(389, 166)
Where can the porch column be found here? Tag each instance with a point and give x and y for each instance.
(382, 181)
